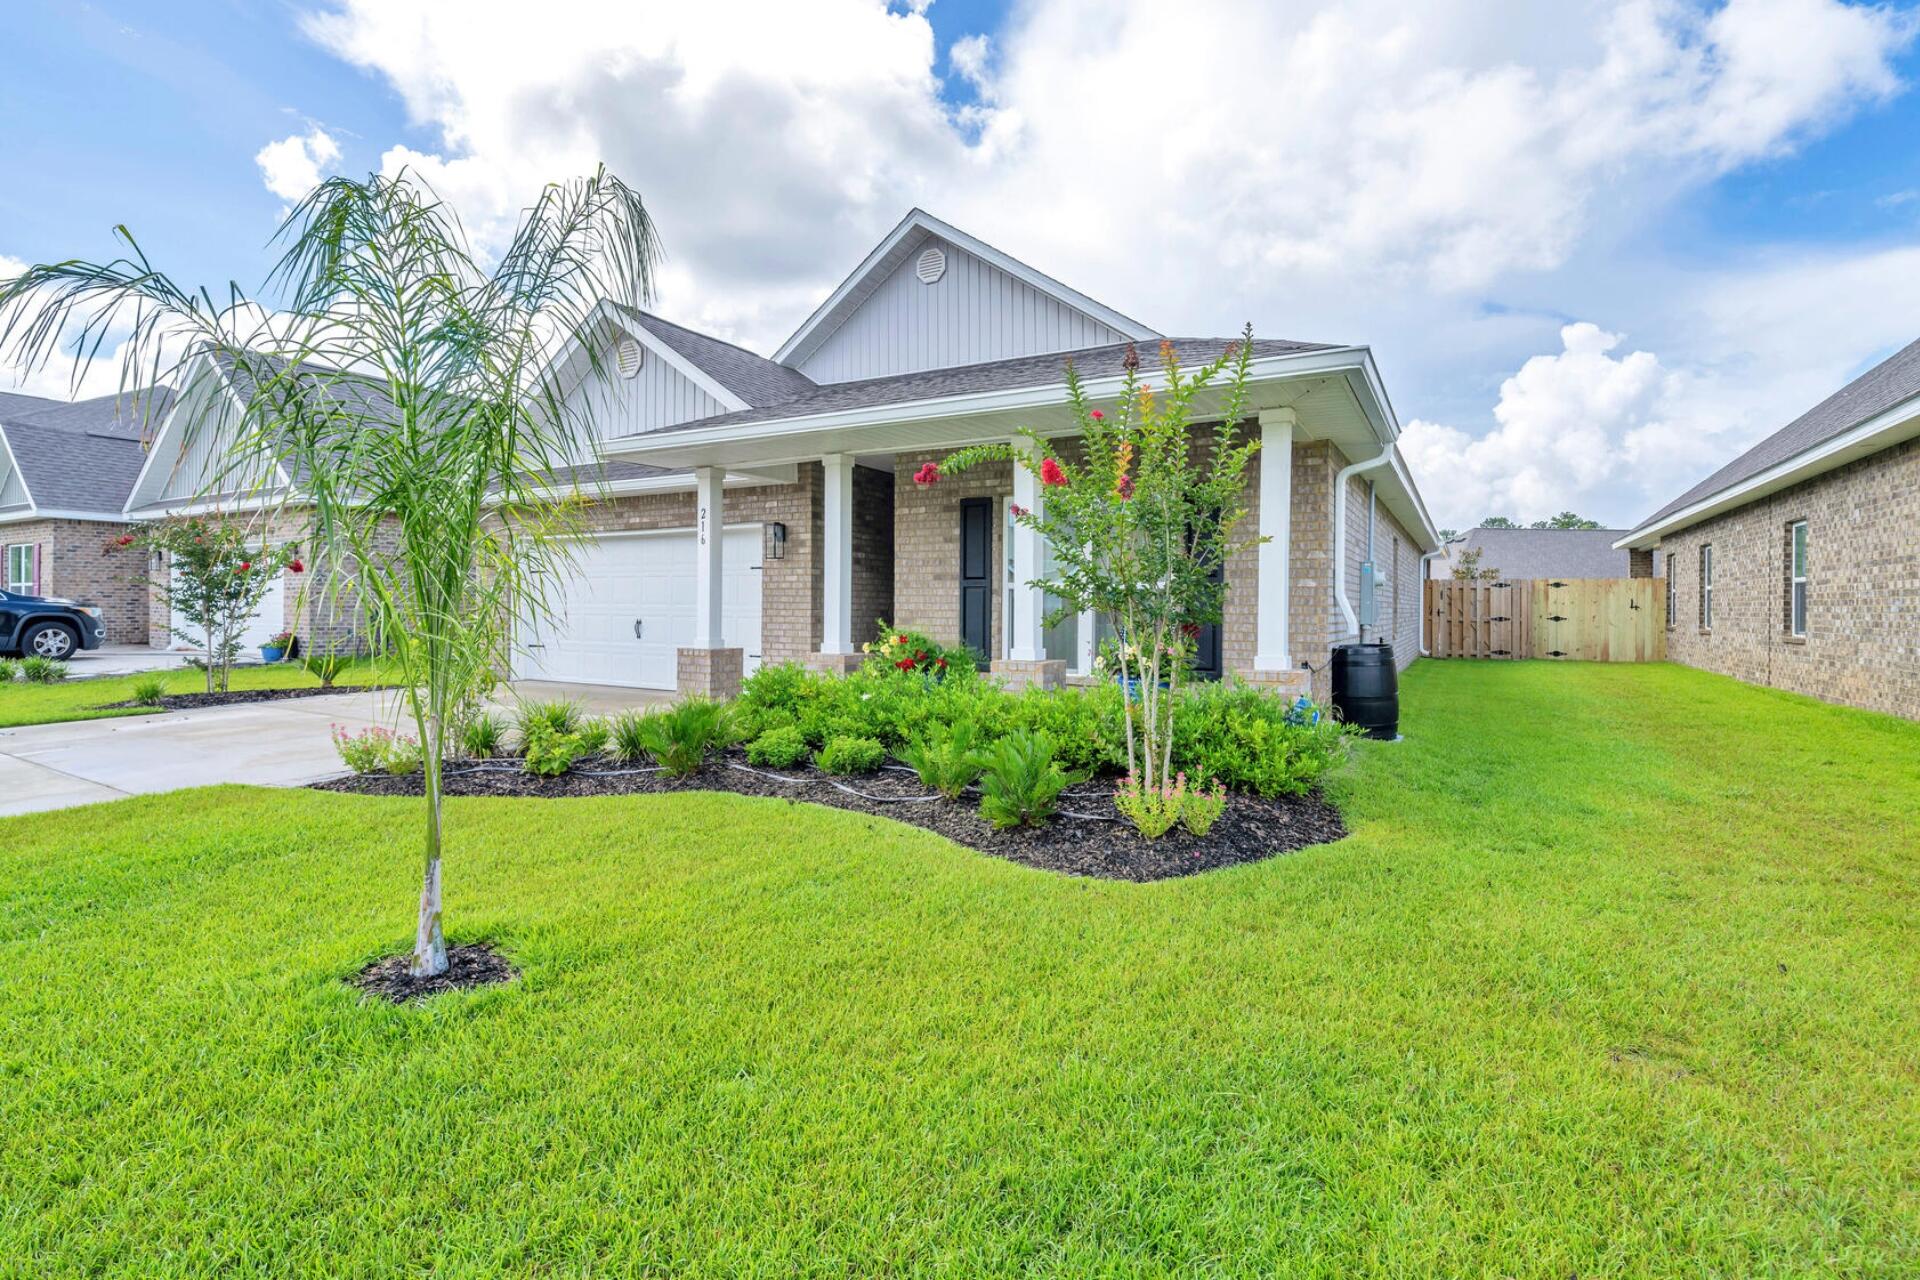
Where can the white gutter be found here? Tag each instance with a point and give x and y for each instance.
(1340, 535)
(1423, 593)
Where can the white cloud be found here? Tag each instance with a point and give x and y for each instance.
(295, 165)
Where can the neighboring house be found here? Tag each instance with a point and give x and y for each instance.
(66, 469)
(804, 465)
(1537, 553)
(1797, 564)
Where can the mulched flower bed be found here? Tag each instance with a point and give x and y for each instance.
(188, 701)
(1089, 838)
(474, 964)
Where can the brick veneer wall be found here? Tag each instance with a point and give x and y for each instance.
(873, 568)
(1863, 593)
(926, 559)
(79, 559)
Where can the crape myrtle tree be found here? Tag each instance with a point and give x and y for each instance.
(412, 389)
(216, 577)
(1140, 524)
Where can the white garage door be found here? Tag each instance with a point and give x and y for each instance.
(626, 607)
(268, 621)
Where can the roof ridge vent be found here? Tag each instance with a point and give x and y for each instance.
(932, 264)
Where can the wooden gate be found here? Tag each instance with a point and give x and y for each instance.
(1585, 619)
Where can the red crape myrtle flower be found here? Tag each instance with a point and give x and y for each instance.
(244, 566)
(1097, 416)
(1124, 488)
(1050, 473)
(1018, 510)
(927, 474)
(297, 567)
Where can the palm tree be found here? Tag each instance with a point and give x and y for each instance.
(414, 396)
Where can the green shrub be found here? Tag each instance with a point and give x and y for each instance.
(847, 754)
(325, 667)
(8, 670)
(149, 690)
(779, 748)
(947, 760)
(374, 750)
(484, 735)
(594, 734)
(1203, 808)
(548, 752)
(562, 715)
(40, 670)
(916, 653)
(678, 739)
(1022, 780)
(1085, 724)
(626, 742)
(1151, 810)
(1241, 736)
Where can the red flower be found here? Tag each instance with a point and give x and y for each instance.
(919, 655)
(927, 474)
(899, 639)
(1124, 488)
(296, 566)
(126, 539)
(940, 663)
(1050, 473)
(244, 566)
(1097, 416)
(905, 664)
(1018, 510)
(1191, 630)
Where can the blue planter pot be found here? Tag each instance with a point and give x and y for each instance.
(1130, 686)
(270, 654)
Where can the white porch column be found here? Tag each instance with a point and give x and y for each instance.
(836, 590)
(1272, 651)
(1029, 555)
(709, 537)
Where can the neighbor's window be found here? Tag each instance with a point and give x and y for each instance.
(1706, 586)
(20, 568)
(1797, 578)
(1673, 595)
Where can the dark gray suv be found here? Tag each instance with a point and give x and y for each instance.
(48, 626)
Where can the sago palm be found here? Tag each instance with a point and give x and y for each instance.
(417, 400)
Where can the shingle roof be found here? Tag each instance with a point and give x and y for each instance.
(84, 456)
(993, 375)
(1545, 553)
(755, 379)
(14, 405)
(1893, 380)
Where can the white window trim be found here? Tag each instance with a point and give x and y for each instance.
(21, 586)
(1797, 549)
(1706, 586)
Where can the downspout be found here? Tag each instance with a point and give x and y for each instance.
(1423, 596)
(1340, 536)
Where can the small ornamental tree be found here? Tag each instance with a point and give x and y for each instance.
(1141, 524)
(218, 577)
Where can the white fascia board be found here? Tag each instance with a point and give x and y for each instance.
(13, 464)
(816, 329)
(94, 517)
(678, 482)
(1882, 431)
(1012, 399)
(693, 373)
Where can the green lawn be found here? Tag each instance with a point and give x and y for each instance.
(1619, 974)
(24, 703)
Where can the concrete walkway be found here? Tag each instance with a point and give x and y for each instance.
(283, 743)
(124, 660)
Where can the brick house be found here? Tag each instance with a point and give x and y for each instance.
(934, 342)
(748, 510)
(66, 469)
(1797, 564)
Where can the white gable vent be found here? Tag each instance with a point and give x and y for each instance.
(627, 355)
(932, 264)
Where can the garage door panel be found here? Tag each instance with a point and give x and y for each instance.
(617, 581)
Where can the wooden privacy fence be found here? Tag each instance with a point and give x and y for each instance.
(1586, 619)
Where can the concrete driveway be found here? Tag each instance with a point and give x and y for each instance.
(283, 743)
(124, 660)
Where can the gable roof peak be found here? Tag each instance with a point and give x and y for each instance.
(906, 236)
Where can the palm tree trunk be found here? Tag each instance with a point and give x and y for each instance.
(429, 943)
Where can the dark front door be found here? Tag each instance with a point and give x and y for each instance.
(976, 577)
(1206, 646)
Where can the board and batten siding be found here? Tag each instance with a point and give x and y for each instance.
(659, 395)
(974, 312)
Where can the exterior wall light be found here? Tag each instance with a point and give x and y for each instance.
(777, 541)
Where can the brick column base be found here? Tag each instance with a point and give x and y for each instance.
(1048, 673)
(1290, 684)
(834, 664)
(709, 673)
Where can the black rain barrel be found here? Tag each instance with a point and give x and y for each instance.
(1366, 691)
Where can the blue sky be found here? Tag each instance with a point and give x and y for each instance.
(1585, 285)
